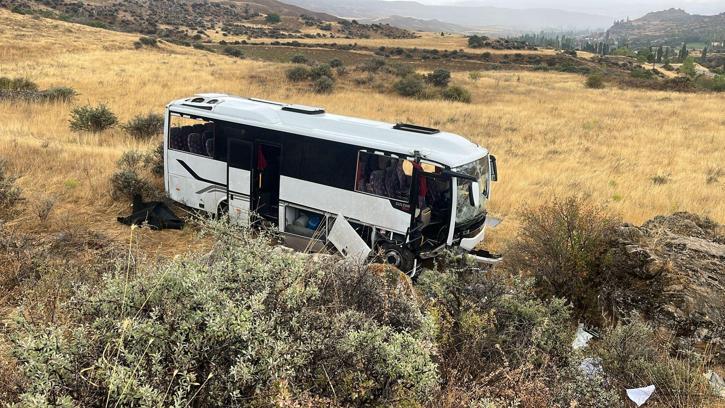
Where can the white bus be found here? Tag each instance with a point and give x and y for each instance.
(408, 192)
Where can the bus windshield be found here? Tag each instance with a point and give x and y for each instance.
(465, 211)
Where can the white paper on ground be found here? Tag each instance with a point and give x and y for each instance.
(581, 338)
(640, 395)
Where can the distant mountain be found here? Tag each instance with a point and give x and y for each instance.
(669, 27)
(416, 24)
(477, 17)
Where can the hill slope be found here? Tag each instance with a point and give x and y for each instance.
(479, 17)
(670, 27)
(188, 18)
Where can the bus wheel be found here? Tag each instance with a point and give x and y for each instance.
(398, 256)
(223, 210)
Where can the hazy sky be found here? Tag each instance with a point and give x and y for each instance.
(614, 8)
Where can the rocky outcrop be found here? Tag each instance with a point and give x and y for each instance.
(672, 270)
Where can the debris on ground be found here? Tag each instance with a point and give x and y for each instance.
(155, 214)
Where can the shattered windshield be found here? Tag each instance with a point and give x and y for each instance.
(465, 211)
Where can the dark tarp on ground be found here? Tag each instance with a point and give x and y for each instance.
(157, 214)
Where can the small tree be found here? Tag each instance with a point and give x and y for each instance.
(688, 67)
(92, 119)
(233, 52)
(439, 77)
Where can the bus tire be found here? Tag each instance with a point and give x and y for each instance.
(222, 210)
(398, 256)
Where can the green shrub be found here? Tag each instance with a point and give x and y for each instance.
(410, 86)
(148, 41)
(92, 119)
(10, 193)
(324, 85)
(372, 65)
(298, 74)
(336, 63)
(457, 94)
(717, 83)
(17, 84)
(299, 59)
(439, 78)
(233, 52)
(641, 73)
(563, 245)
(474, 75)
(129, 181)
(145, 126)
(273, 18)
(595, 81)
(688, 67)
(245, 325)
(59, 94)
(319, 71)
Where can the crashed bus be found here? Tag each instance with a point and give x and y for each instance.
(404, 191)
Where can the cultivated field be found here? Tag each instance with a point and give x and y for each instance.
(643, 153)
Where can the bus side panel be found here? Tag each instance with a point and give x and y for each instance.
(365, 208)
(196, 181)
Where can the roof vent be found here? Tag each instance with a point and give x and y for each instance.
(197, 100)
(416, 129)
(212, 101)
(307, 110)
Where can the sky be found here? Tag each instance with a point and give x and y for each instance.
(615, 8)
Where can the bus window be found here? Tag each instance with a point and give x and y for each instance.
(191, 135)
(382, 176)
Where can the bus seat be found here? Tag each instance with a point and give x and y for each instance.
(209, 147)
(196, 144)
(377, 183)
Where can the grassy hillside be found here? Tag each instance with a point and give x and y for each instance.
(551, 134)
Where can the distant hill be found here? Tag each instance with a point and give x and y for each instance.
(478, 17)
(416, 24)
(189, 18)
(670, 27)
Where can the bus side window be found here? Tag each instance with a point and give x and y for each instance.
(192, 135)
(382, 176)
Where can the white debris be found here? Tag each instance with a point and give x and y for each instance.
(591, 367)
(581, 338)
(640, 395)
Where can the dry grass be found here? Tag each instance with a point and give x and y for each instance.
(425, 40)
(550, 133)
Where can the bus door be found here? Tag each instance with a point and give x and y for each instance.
(239, 166)
(265, 187)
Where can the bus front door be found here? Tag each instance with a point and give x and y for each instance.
(265, 190)
(239, 175)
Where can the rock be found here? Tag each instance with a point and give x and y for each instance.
(717, 384)
(671, 270)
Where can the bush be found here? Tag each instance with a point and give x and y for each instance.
(17, 84)
(148, 42)
(233, 52)
(336, 63)
(273, 18)
(474, 75)
(319, 71)
(145, 126)
(92, 119)
(410, 86)
(10, 193)
(59, 94)
(456, 94)
(563, 244)
(246, 325)
(324, 84)
(299, 59)
(439, 78)
(634, 353)
(595, 81)
(641, 73)
(298, 74)
(372, 65)
(128, 181)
